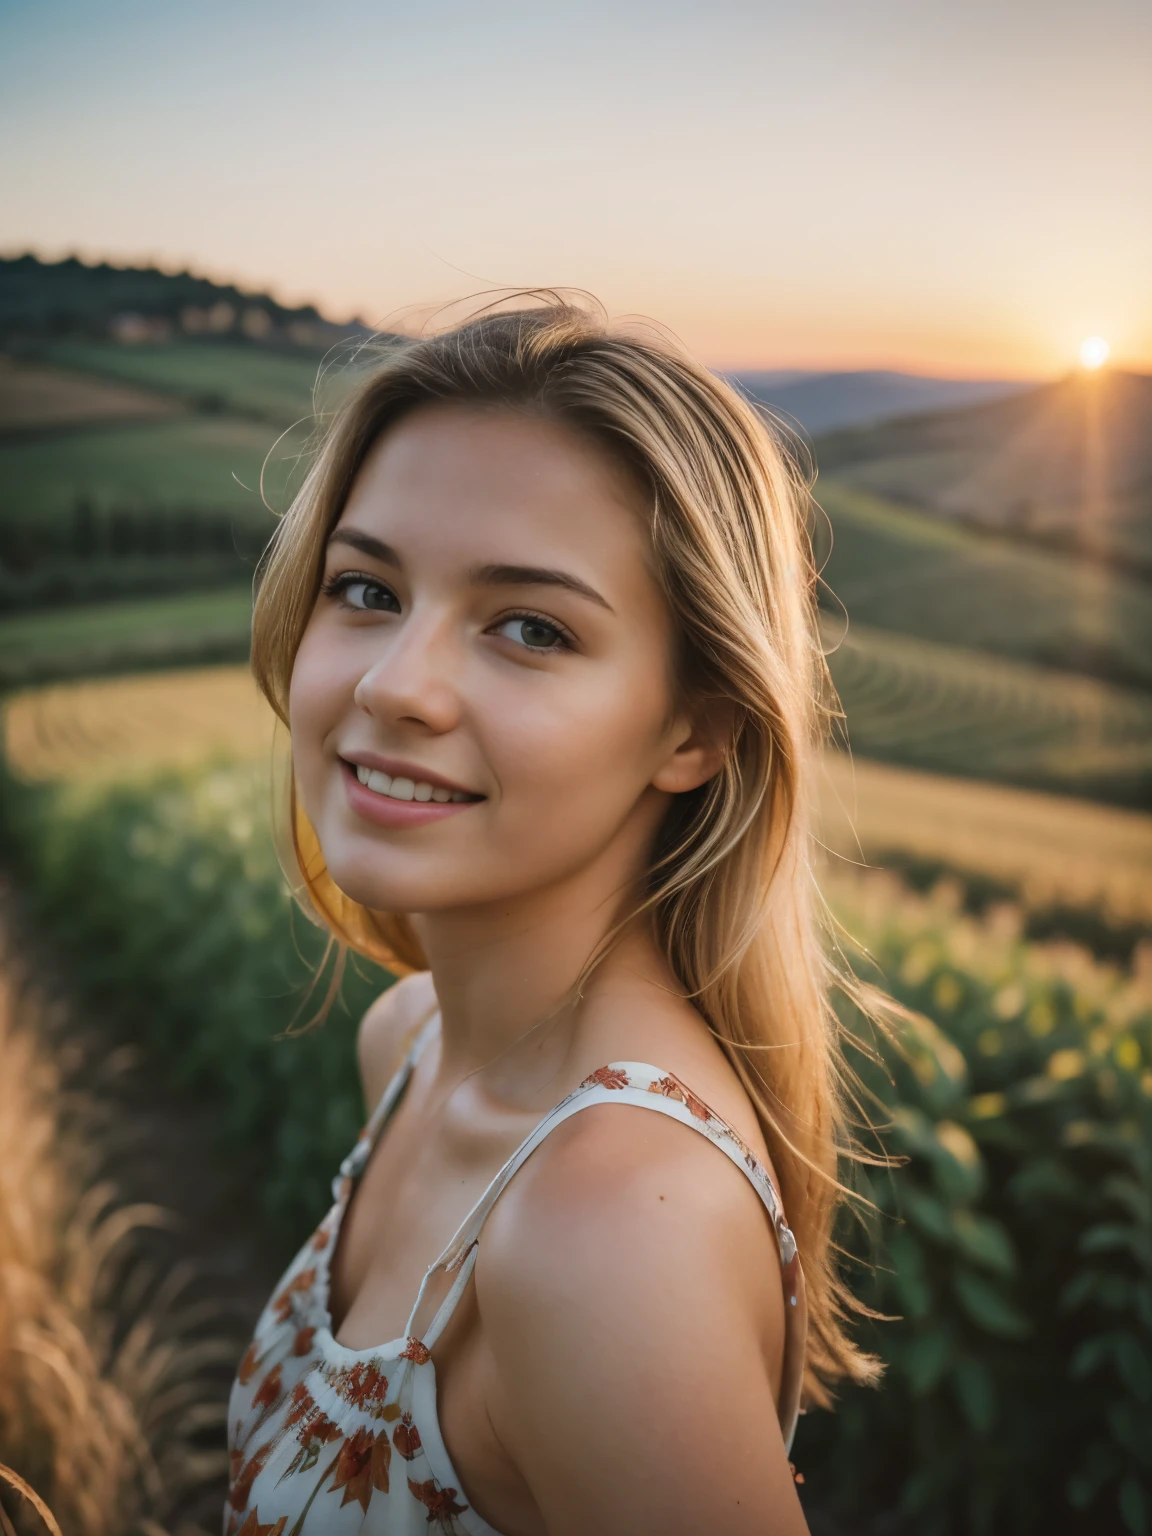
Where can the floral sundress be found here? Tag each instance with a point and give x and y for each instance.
(330, 1441)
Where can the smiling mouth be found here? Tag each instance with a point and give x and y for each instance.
(399, 788)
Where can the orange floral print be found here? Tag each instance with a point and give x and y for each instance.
(364, 1385)
(252, 1526)
(606, 1077)
(302, 1343)
(320, 1239)
(313, 1435)
(360, 1467)
(416, 1351)
(283, 1304)
(406, 1438)
(248, 1364)
(440, 1502)
(381, 1460)
(268, 1392)
(300, 1405)
(672, 1088)
(318, 1428)
(242, 1487)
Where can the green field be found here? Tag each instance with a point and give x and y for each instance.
(170, 631)
(957, 711)
(204, 463)
(244, 380)
(893, 568)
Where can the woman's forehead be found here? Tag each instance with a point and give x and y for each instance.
(495, 485)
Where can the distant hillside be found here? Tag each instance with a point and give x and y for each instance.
(823, 402)
(1068, 464)
(44, 300)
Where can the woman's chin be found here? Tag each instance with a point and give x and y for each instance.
(358, 876)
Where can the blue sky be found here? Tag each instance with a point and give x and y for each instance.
(949, 187)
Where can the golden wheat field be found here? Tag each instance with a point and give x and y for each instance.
(1052, 848)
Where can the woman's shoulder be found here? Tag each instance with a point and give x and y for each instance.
(634, 1264)
(389, 1027)
(621, 1197)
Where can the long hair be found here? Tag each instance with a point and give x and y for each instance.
(730, 895)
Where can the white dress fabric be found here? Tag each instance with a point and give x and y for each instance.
(330, 1441)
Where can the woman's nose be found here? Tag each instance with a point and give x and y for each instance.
(414, 682)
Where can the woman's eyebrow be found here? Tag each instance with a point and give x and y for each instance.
(534, 576)
(367, 545)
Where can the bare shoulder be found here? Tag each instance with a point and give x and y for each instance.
(629, 1271)
(621, 1196)
(387, 1028)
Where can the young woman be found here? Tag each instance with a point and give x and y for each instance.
(542, 625)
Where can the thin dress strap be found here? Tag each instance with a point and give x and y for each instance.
(353, 1165)
(645, 1087)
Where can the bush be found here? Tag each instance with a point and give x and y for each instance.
(1013, 1247)
(169, 908)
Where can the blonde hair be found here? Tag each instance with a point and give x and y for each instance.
(731, 895)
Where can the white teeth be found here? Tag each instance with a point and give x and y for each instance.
(407, 789)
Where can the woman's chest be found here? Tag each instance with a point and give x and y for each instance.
(418, 1187)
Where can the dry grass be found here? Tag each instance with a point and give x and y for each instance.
(104, 1400)
(119, 728)
(1054, 850)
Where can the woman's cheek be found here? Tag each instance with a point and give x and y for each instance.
(578, 762)
(313, 712)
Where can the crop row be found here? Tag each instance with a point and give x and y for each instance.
(957, 711)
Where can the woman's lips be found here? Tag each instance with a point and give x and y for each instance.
(388, 811)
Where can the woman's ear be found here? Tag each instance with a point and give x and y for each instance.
(701, 742)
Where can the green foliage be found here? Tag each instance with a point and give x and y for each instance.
(1013, 1247)
(170, 908)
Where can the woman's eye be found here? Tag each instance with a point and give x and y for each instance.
(363, 593)
(533, 634)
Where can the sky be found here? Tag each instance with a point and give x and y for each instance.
(957, 188)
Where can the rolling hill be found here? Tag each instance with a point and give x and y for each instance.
(1068, 464)
(825, 402)
(131, 518)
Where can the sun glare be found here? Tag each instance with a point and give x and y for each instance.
(1094, 352)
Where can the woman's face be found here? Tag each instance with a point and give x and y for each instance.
(482, 702)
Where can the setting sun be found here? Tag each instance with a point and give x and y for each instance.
(1094, 352)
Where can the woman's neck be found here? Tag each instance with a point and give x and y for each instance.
(506, 974)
